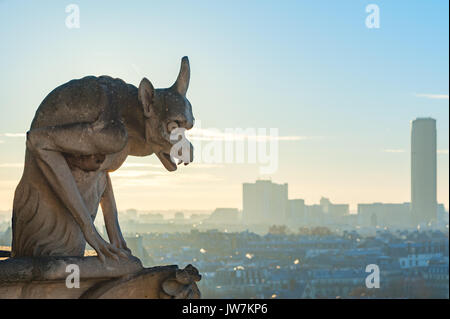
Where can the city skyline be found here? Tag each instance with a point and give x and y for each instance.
(341, 95)
(423, 141)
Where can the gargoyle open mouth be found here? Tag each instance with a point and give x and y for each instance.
(167, 161)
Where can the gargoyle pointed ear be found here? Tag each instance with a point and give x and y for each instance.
(146, 93)
(182, 83)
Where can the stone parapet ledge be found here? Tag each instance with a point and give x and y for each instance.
(45, 278)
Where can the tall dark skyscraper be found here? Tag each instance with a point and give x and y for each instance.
(423, 170)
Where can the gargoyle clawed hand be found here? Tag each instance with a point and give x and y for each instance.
(183, 285)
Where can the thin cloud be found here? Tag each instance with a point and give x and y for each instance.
(440, 152)
(433, 96)
(11, 165)
(394, 150)
(13, 134)
(149, 165)
(133, 165)
(198, 134)
(163, 180)
(133, 173)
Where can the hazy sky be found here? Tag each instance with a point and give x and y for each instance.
(343, 94)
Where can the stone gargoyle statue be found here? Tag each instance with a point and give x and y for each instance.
(82, 131)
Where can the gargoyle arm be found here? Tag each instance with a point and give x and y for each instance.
(109, 209)
(48, 143)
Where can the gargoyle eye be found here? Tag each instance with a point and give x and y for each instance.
(172, 125)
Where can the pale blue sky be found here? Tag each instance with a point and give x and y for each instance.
(309, 68)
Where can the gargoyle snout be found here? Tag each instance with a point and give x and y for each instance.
(184, 121)
(189, 123)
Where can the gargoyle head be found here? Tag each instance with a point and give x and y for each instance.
(167, 111)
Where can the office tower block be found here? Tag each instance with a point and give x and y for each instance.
(423, 170)
(264, 202)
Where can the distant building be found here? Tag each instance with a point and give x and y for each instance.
(224, 216)
(314, 215)
(296, 212)
(325, 213)
(135, 244)
(417, 260)
(264, 202)
(333, 211)
(442, 216)
(384, 215)
(6, 237)
(179, 216)
(437, 278)
(150, 217)
(423, 170)
(198, 217)
(130, 214)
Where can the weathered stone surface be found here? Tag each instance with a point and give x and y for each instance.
(45, 277)
(149, 284)
(54, 268)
